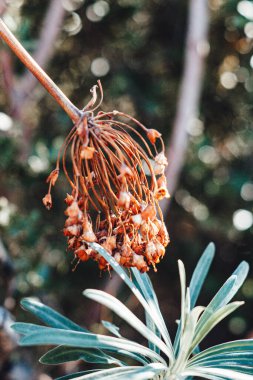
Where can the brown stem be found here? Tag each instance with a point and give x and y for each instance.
(73, 112)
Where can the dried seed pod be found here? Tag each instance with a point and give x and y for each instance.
(113, 179)
(73, 210)
(47, 201)
(82, 253)
(162, 190)
(124, 200)
(153, 134)
(149, 212)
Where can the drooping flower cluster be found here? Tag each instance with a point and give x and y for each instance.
(117, 181)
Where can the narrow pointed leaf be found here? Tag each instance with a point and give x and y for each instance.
(200, 273)
(49, 316)
(143, 283)
(62, 354)
(224, 373)
(237, 346)
(77, 374)
(212, 321)
(227, 291)
(122, 311)
(136, 292)
(180, 327)
(112, 328)
(86, 340)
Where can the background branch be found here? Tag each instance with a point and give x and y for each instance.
(50, 29)
(189, 95)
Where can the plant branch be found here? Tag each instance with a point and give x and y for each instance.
(73, 112)
(45, 49)
(190, 91)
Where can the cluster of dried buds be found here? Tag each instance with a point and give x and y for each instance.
(117, 181)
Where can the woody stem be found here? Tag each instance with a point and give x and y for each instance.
(73, 112)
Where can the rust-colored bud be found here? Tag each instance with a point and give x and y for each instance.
(47, 201)
(82, 253)
(140, 263)
(88, 234)
(150, 251)
(73, 210)
(162, 191)
(149, 212)
(153, 134)
(137, 219)
(124, 200)
(74, 230)
(69, 199)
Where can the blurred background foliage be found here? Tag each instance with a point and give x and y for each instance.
(136, 48)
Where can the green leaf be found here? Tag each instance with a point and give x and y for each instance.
(243, 358)
(223, 373)
(86, 340)
(127, 373)
(112, 328)
(143, 283)
(181, 324)
(159, 323)
(212, 321)
(200, 273)
(122, 311)
(27, 328)
(226, 292)
(49, 316)
(62, 354)
(78, 374)
(244, 346)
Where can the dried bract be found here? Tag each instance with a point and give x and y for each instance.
(114, 200)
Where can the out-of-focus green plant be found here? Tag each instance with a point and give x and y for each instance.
(162, 359)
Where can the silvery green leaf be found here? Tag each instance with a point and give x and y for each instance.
(86, 340)
(243, 358)
(143, 283)
(112, 328)
(223, 373)
(219, 300)
(77, 374)
(136, 292)
(187, 336)
(62, 354)
(226, 292)
(180, 327)
(237, 346)
(122, 311)
(130, 372)
(49, 316)
(191, 373)
(27, 328)
(200, 272)
(212, 321)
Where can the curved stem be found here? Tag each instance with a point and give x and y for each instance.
(73, 112)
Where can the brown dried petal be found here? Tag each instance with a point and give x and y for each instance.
(87, 152)
(53, 176)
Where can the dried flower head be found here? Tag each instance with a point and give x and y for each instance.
(114, 201)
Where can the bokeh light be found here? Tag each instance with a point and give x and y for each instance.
(242, 219)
